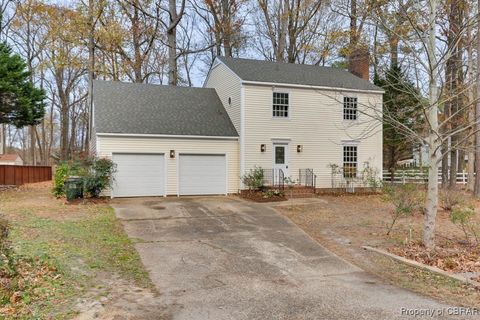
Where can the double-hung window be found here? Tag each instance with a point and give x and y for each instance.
(280, 105)
(350, 161)
(350, 111)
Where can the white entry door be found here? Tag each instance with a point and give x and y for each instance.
(280, 161)
(202, 174)
(139, 175)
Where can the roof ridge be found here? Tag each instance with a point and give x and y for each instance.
(156, 85)
(282, 63)
(265, 71)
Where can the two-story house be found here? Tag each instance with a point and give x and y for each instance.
(291, 120)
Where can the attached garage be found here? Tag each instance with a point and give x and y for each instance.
(139, 175)
(166, 141)
(202, 174)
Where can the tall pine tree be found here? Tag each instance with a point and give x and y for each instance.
(402, 103)
(21, 104)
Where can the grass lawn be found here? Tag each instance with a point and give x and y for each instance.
(346, 223)
(65, 252)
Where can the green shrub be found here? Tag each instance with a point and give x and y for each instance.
(254, 178)
(100, 176)
(62, 172)
(97, 175)
(463, 217)
(405, 198)
(273, 193)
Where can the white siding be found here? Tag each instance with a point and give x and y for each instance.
(227, 85)
(109, 145)
(316, 122)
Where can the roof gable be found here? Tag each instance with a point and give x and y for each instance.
(133, 108)
(9, 157)
(296, 74)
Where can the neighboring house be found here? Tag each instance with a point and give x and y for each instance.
(282, 117)
(11, 159)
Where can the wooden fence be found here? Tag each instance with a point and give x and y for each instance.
(417, 176)
(18, 175)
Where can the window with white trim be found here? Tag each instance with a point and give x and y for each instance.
(280, 105)
(350, 108)
(350, 161)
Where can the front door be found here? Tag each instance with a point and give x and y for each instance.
(280, 162)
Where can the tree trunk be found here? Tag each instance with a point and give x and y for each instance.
(282, 31)
(91, 71)
(477, 116)
(392, 163)
(227, 28)
(172, 45)
(3, 140)
(137, 62)
(445, 165)
(40, 150)
(471, 112)
(31, 131)
(353, 25)
(394, 50)
(431, 201)
(64, 114)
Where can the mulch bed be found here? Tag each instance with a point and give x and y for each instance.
(451, 256)
(259, 196)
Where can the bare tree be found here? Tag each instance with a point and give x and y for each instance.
(284, 24)
(430, 51)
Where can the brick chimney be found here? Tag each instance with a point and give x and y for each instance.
(359, 62)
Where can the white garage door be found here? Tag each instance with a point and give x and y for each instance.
(202, 174)
(139, 175)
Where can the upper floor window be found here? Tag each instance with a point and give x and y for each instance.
(280, 105)
(350, 161)
(350, 108)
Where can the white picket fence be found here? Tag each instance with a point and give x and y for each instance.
(418, 176)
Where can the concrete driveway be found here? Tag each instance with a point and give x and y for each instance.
(223, 258)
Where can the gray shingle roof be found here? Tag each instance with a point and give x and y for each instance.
(155, 109)
(290, 73)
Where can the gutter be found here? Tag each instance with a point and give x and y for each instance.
(172, 136)
(273, 84)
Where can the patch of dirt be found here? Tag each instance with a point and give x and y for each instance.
(122, 301)
(38, 199)
(344, 224)
(259, 196)
(85, 201)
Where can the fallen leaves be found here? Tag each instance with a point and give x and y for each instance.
(451, 256)
(33, 280)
